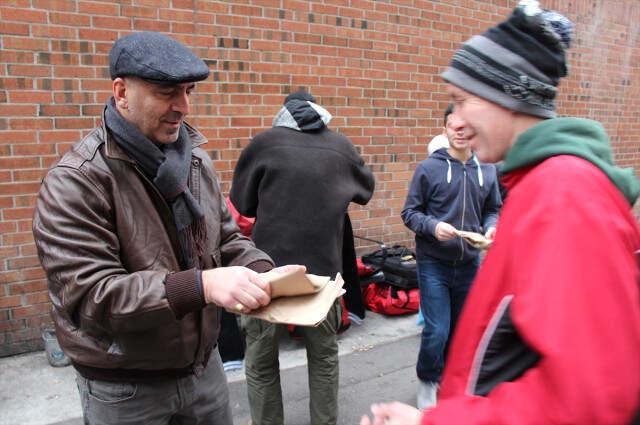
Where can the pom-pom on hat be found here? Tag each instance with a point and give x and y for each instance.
(518, 63)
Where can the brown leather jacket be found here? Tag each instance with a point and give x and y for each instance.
(107, 242)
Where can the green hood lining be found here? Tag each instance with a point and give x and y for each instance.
(580, 137)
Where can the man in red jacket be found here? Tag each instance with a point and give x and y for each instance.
(550, 332)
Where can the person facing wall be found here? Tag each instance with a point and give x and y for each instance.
(297, 179)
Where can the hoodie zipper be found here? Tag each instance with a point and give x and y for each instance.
(464, 207)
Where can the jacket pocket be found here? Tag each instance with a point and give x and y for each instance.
(212, 260)
(111, 392)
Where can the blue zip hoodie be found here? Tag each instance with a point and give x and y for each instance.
(465, 195)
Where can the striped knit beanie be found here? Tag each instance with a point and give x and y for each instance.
(517, 64)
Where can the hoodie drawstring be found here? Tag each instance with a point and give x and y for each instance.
(449, 172)
(480, 179)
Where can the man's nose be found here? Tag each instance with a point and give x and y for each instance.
(458, 124)
(181, 103)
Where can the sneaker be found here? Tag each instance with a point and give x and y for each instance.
(232, 365)
(355, 319)
(427, 394)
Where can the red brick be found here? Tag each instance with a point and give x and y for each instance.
(97, 34)
(23, 15)
(6, 326)
(265, 45)
(160, 26)
(24, 43)
(10, 56)
(27, 287)
(22, 262)
(15, 28)
(35, 149)
(37, 298)
(74, 97)
(17, 238)
(59, 136)
(64, 5)
(29, 124)
(12, 162)
(30, 70)
(97, 85)
(185, 15)
(112, 22)
(74, 19)
(139, 12)
(67, 123)
(32, 310)
(28, 200)
(98, 8)
(29, 97)
(71, 46)
(74, 72)
(18, 188)
(58, 110)
(16, 111)
(27, 176)
(7, 227)
(53, 31)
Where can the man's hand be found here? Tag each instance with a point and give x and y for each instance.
(289, 268)
(445, 231)
(235, 288)
(491, 233)
(394, 413)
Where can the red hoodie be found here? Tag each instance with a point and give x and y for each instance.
(563, 276)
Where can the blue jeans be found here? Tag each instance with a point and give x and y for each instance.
(443, 289)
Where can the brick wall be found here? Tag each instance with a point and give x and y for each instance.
(373, 64)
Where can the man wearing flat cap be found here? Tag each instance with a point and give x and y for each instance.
(141, 252)
(550, 332)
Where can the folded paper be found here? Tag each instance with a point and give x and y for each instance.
(293, 307)
(474, 239)
(294, 283)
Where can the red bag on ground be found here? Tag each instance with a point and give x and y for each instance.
(390, 300)
(363, 269)
(244, 223)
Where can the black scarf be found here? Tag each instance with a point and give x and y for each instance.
(168, 168)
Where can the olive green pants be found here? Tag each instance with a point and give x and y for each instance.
(262, 370)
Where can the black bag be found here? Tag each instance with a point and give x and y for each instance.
(398, 263)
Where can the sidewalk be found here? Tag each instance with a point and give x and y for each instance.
(34, 393)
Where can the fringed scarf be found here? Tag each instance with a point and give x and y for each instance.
(168, 167)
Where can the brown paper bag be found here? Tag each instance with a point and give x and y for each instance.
(474, 239)
(294, 283)
(303, 310)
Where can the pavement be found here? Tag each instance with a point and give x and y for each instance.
(377, 363)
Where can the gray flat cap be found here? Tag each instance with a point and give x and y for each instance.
(156, 58)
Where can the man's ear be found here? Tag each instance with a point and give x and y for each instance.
(119, 89)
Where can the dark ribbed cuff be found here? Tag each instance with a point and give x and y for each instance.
(260, 266)
(184, 292)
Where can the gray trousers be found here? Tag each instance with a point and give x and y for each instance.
(263, 371)
(183, 401)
